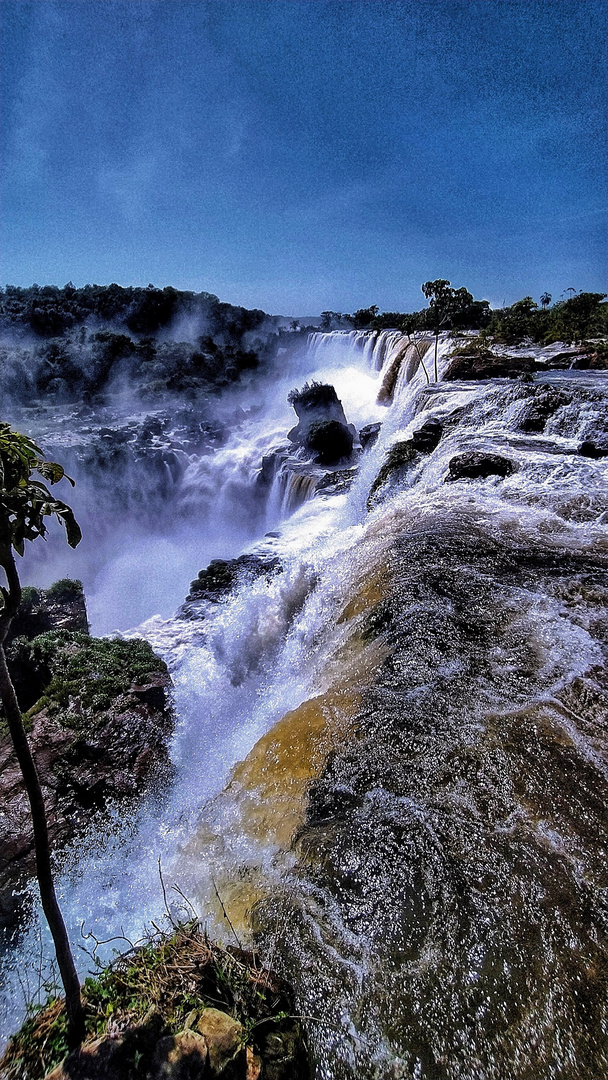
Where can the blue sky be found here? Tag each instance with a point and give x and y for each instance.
(296, 155)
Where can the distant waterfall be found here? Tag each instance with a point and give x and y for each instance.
(377, 346)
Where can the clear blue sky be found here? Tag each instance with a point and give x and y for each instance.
(297, 156)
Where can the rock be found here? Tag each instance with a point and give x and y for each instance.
(591, 361)
(283, 1053)
(543, 404)
(489, 366)
(98, 733)
(399, 458)
(330, 440)
(184, 1056)
(96, 1060)
(474, 465)
(592, 450)
(254, 1065)
(225, 1038)
(427, 437)
(218, 580)
(314, 403)
(333, 483)
(368, 435)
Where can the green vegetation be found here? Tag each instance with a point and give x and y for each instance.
(165, 983)
(90, 671)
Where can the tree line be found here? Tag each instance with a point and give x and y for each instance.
(576, 317)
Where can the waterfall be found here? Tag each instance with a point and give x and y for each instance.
(415, 695)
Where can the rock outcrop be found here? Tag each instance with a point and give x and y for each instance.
(322, 428)
(180, 1008)
(545, 401)
(489, 365)
(98, 721)
(218, 581)
(474, 465)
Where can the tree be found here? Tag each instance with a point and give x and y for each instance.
(445, 303)
(364, 317)
(24, 504)
(545, 300)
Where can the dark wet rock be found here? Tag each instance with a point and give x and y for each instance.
(60, 607)
(337, 481)
(489, 366)
(271, 463)
(595, 360)
(330, 440)
(400, 457)
(98, 731)
(474, 465)
(318, 404)
(593, 450)
(218, 580)
(427, 437)
(546, 401)
(368, 435)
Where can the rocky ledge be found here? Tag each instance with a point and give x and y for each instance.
(98, 721)
(177, 1008)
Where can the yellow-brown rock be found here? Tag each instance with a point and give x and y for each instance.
(225, 1038)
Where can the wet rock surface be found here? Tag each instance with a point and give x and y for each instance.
(545, 402)
(217, 581)
(368, 435)
(455, 846)
(488, 365)
(474, 464)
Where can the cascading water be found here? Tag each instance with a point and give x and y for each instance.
(418, 697)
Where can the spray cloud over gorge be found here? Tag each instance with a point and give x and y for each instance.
(389, 688)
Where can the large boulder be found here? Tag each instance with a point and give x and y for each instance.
(545, 401)
(474, 465)
(330, 440)
(368, 435)
(318, 404)
(427, 436)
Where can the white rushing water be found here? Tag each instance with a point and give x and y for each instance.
(251, 660)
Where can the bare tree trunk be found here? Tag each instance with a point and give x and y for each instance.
(436, 348)
(12, 712)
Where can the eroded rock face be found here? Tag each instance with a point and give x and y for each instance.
(99, 732)
(403, 455)
(474, 465)
(368, 435)
(546, 401)
(322, 427)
